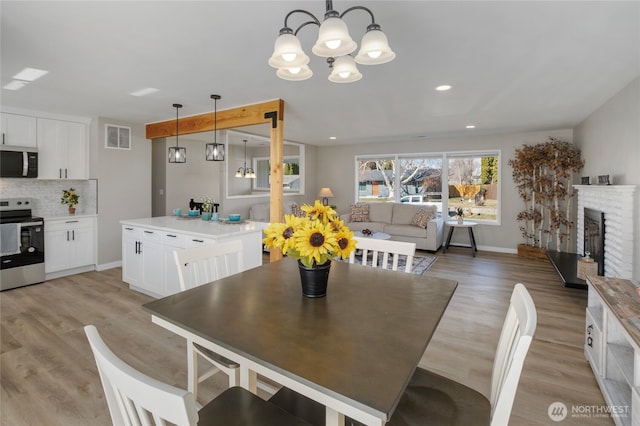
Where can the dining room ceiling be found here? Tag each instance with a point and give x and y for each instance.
(514, 66)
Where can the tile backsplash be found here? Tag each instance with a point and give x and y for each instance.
(46, 194)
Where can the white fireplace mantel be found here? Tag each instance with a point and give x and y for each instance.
(616, 201)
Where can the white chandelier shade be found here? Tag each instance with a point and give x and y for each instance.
(374, 48)
(295, 73)
(345, 70)
(333, 39)
(288, 53)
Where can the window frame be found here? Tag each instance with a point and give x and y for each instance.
(445, 156)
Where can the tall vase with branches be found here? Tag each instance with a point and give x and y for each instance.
(543, 174)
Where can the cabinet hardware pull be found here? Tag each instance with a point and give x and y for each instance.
(129, 229)
(172, 236)
(148, 232)
(65, 173)
(67, 235)
(73, 234)
(198, 241)
(71, 221)
(60, 173)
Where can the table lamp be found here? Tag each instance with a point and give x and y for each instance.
(325, 193)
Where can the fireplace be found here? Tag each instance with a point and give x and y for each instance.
(616, 203)
(593, 241)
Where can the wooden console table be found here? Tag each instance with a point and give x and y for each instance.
(612, 344)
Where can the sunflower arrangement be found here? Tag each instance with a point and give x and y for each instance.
(315, 238)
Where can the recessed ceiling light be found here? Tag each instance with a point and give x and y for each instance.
(333, 138)
(471, 126)
(443, 87)
(144, 92)
(15, 85)
(30, 74)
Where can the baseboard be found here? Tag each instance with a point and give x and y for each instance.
(110, 265)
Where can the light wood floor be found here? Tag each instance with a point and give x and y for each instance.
(48, 375)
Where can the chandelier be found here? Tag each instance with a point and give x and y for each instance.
(244, 172)
(333, 43)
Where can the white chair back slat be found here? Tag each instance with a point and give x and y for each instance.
(515, 339)
(201, 265)
(134, 398)
(371, 247)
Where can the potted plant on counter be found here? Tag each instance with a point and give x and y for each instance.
(70, 198)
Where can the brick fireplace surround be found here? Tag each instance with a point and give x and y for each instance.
(616, 201)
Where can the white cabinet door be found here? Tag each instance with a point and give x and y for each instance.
(69, 243)
(171, 242)
(18, 130)
(56, 250)
(62, 148)
(131, 256)
(151, 267)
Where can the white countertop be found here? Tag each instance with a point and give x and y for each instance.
(69, 216)
(196, 226)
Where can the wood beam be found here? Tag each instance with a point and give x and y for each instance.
(247, 115)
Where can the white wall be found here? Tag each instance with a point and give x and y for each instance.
(610, 143)
(124, 186)
(335, 169)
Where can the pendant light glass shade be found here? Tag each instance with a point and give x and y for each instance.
(344, 70)
(374, 48)
(214, 151)
(333, 39)
(295, 74)
(176, 153)
(288, 53)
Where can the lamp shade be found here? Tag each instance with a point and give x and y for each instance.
(288, 53)
(344, 70)
(214, 152)
(325, 192)
(295, 74)
(177, 154)
(333, 39)
(374, 48)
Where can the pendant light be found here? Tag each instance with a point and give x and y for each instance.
(215, 151)
(177, 154)
(244, 172)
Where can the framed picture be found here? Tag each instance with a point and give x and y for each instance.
(603, 180)
(117, 137)
(585, 180)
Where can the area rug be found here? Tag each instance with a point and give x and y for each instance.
(420, 263)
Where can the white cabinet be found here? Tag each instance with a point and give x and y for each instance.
(69, 245)
(63, 150)
(171, 241)
(18, 130)
(142, 267)
(612, 344)
(148, 265)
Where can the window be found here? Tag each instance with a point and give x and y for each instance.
(447, 180)
(117, 137)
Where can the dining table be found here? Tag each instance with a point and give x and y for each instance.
(353, 350)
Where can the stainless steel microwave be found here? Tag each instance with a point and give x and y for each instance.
(18, 162)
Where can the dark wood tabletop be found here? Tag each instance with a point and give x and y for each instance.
(360, 343)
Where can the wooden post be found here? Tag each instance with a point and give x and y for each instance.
(275, 188)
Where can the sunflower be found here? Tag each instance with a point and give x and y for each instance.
(315, 242)
(317, 237)
(319, 211)
(280, 234)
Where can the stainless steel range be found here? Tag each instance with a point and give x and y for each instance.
(22, 244)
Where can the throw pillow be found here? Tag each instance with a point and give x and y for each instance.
(422, 217)
(359, 213)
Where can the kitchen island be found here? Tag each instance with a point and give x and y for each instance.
(148, 245)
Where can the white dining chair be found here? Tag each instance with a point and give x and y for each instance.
(136, 399)
(197, 266)
(373, 247)
(432, 399)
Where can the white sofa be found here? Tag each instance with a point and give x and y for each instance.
(395, 219)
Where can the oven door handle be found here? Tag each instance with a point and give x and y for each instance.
(36, 223)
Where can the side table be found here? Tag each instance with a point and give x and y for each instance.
(453, 224)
